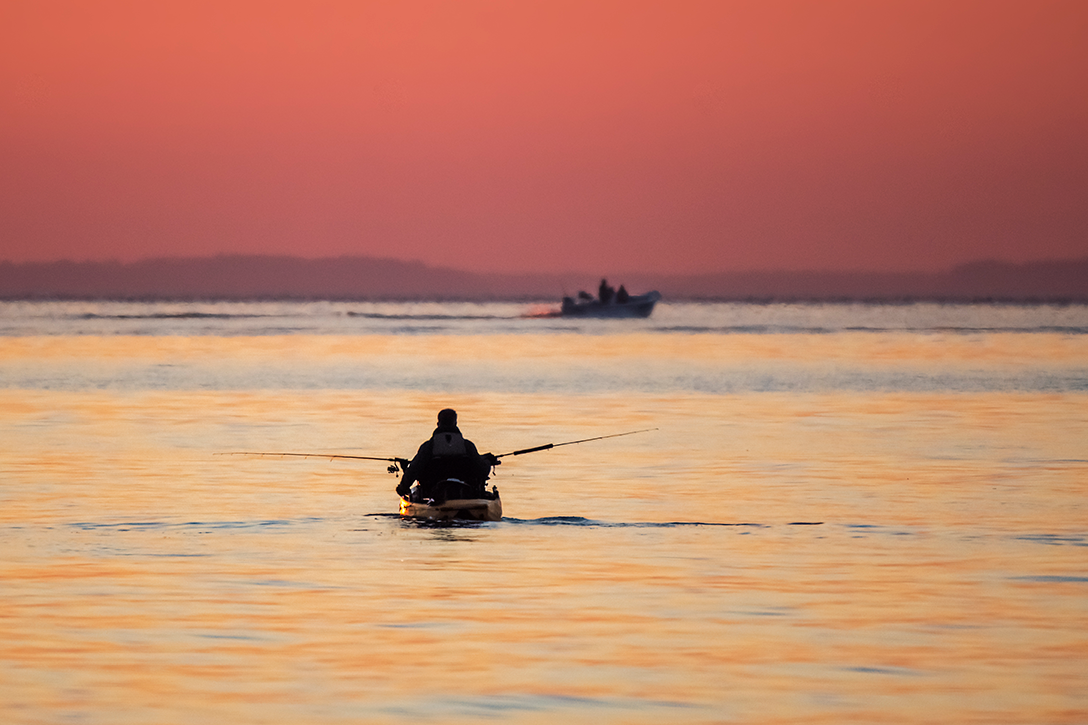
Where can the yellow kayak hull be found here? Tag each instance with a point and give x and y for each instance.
(462, 509)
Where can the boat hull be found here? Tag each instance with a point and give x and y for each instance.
(458, 509)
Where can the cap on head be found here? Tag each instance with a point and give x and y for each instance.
(448, 416)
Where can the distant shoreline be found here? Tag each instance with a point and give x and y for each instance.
(266, 278)
(536, 301)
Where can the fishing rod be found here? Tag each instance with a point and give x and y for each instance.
(402, 462)
(571, 443)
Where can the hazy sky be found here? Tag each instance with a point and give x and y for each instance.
(518, 135)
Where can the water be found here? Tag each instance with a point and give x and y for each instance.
(847, 513)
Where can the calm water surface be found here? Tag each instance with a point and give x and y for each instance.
(847, 513)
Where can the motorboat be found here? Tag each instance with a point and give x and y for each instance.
(632, 306)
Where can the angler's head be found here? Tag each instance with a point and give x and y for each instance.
(447, 416)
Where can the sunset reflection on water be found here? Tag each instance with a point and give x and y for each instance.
(904, 546)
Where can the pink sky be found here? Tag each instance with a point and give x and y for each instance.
(549, 135)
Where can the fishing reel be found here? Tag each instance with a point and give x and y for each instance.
(397, 465)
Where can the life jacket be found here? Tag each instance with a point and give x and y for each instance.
(448, 443)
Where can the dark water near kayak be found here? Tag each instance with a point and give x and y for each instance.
(847, 513)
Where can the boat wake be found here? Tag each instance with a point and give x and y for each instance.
(170, 316)
(584, 522)
(581, 521)
(427, 316)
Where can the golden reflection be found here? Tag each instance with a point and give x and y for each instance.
(945, 348)
(940, 575)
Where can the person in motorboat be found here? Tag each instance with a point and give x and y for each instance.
(447, 457)
(604, 292)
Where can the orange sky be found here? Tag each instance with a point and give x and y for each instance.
(508, 135)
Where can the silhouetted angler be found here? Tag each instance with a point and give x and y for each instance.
(447, 455)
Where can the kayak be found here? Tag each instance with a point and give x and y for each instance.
(487, 508)
(458, 509)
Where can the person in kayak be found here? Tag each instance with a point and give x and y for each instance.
(447, 454)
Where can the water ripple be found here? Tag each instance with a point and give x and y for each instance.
(151, 525)
(1054, 539)
(1052, 579)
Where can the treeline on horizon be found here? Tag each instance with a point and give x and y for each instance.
(239, 277)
